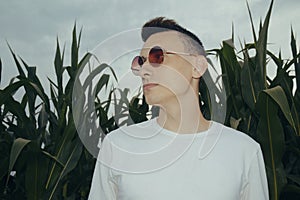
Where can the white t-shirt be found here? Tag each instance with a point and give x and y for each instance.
(147, 162)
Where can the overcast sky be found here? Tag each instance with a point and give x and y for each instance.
(31, 26)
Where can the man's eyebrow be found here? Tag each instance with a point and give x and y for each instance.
(145, 50)
(142, 53)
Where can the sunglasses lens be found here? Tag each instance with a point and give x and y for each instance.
(156, 55)
(135, 62)
(135, 65)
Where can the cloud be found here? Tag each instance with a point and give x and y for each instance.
(31, 26)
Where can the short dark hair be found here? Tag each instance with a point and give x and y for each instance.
(162, 24)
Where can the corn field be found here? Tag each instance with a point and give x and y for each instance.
(42, 156)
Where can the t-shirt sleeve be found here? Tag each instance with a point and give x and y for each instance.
(103, 186)
(256, 186)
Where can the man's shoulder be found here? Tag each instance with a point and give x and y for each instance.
(125, 135)
(228, 136)
(235, 138)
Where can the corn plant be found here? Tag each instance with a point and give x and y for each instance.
(41, 153)
(265, 108)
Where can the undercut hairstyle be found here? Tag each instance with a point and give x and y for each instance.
(190, 41)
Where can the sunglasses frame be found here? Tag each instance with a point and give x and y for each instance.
(136, 70)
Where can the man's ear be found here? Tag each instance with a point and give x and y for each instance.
(200, 66)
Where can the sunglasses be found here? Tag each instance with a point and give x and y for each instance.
(155, 57)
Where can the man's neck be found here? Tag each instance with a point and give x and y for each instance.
(183, 115)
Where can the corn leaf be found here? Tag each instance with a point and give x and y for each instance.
(248, 89)
(261, 50)
(0, 70)
(271, 137)
(278, 95)
(36, 173)
(69, 165)
(16, 149)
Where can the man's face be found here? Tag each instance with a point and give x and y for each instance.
(171, 79)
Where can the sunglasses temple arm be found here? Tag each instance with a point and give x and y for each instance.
(185, 54)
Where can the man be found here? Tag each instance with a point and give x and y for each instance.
(179, 154)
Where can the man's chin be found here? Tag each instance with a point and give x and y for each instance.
(151, 101)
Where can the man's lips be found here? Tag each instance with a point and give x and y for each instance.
(149, 85)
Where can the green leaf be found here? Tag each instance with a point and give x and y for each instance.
(5, 146)
(249, 92)
(53, 157)
(42, 123)
(230, 66)
(21, 72)
(296, 59)
(0, 70)
(251, 20)
(16, 149)
(36, 173)
(271, 137)
(103, 81)
(70, 164)
(31, 93)
(8, 91)
(25, 128)
(94, 73)
(74, 52)
(278, 61)
(53, 97)
(43, 117)
(294, 178)
(261, 49)
(86, 58)
(204, 97)
(278, 95)
(58, 65)
(62, 152)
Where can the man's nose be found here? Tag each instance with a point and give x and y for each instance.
(146, 70)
